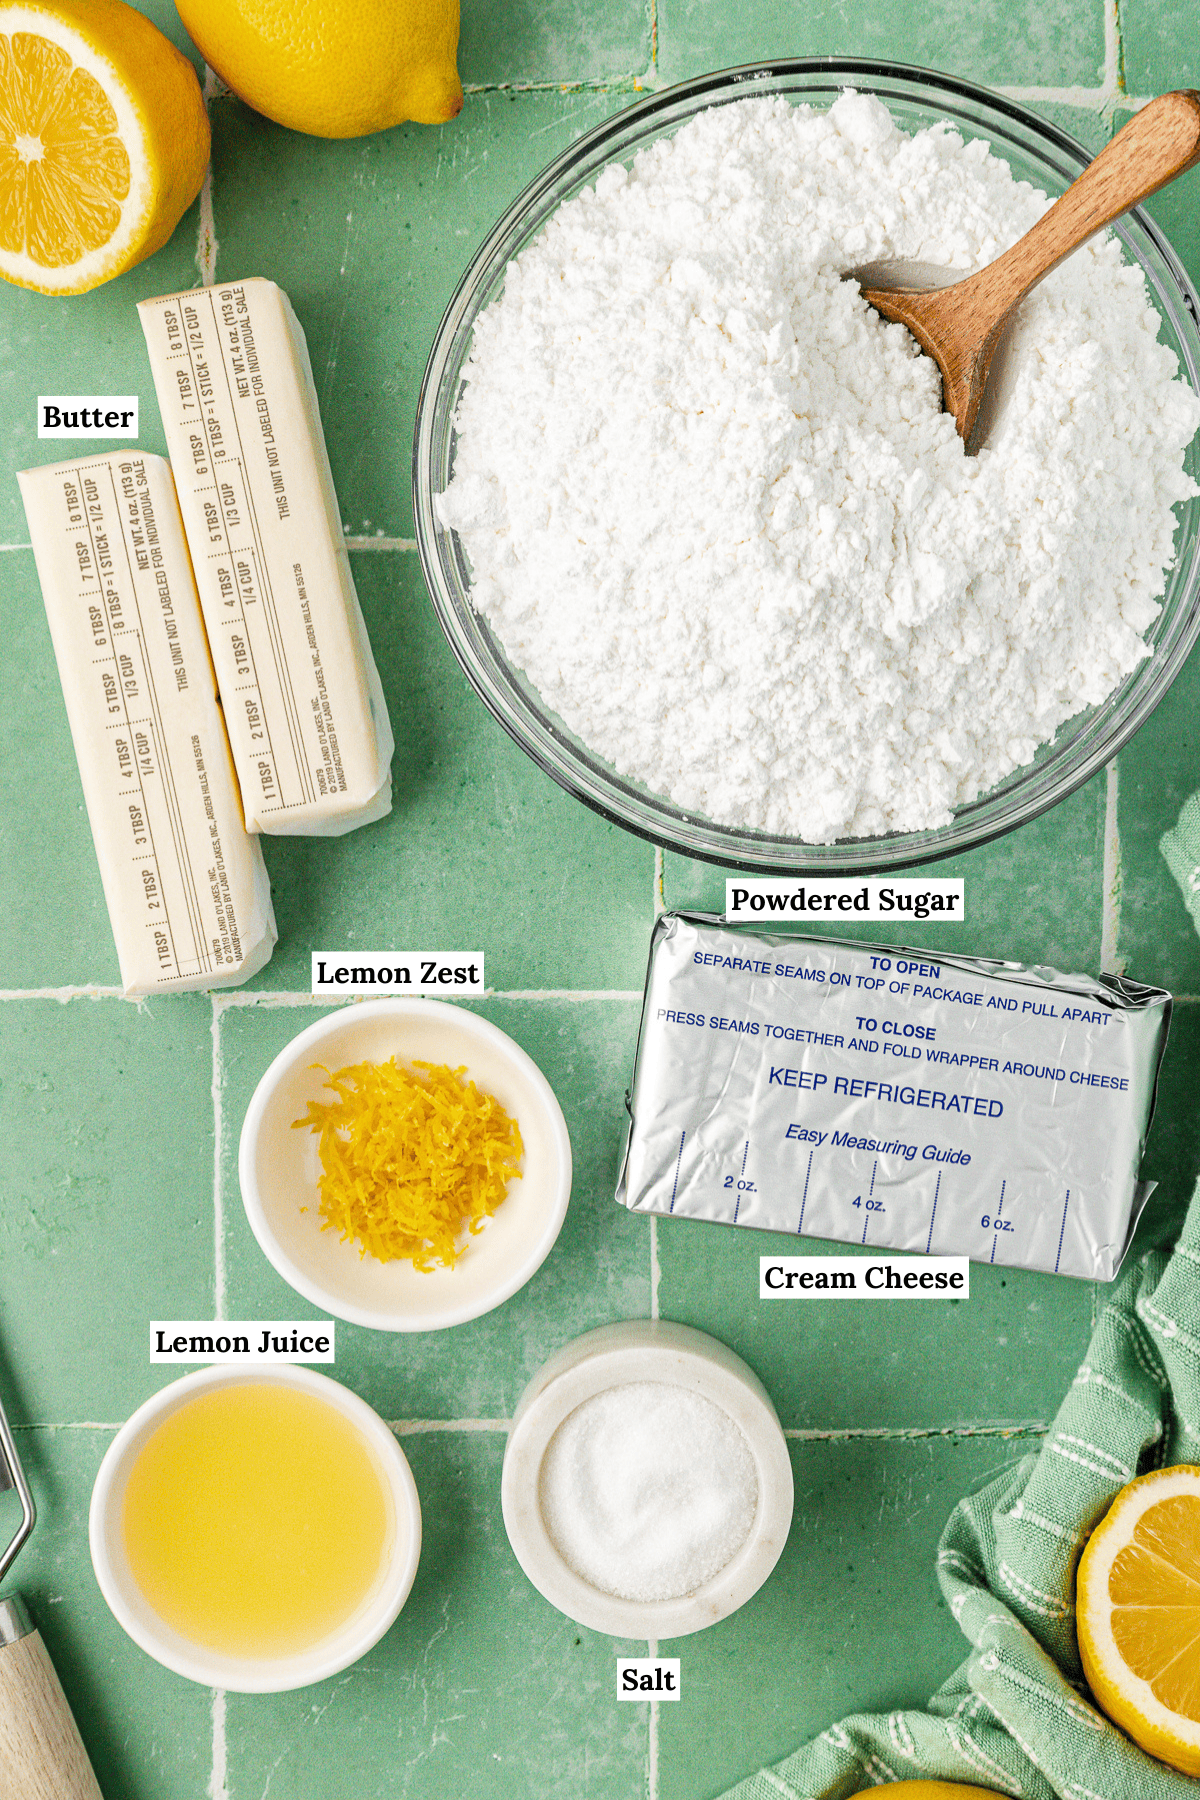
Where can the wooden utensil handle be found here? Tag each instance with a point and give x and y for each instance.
(1159, 143)
(41, 1752)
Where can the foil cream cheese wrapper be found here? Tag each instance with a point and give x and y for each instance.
(892, 1097)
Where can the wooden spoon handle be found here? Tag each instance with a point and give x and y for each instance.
(41, 1753)
(1159, 143)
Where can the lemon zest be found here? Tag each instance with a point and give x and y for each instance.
(408, 1158)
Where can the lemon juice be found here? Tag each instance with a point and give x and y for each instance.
(256, 1520)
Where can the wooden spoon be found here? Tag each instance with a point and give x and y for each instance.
(960, 326)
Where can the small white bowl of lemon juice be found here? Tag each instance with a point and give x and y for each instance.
(256, 1530)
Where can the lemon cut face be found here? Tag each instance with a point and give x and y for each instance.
(64, 168)
(1138, 1611)
(103, 141)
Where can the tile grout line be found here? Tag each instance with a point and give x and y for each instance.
(216, 1091)
(1113, 79)
(900, 1434)
(268, 998)
(652, 1734)
(218, 1781)
(658, 908)
(1111, 961)
(206, 263)
(912, 1433)
(206, 235)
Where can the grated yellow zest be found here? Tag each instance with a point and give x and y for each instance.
(409, 1158)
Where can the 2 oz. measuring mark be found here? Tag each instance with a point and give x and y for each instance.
(738, 1203)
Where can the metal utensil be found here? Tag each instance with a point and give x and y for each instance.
(41, 1753)
(960, 325)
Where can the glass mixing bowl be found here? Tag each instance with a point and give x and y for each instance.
(1036, 152)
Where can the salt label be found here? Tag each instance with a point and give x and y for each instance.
(648, 1678)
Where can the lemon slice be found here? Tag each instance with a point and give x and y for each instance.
(1138, 1614)
(103, 141)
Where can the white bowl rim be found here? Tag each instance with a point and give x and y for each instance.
(612, 1355)
(273, 1675)
(299, 1279)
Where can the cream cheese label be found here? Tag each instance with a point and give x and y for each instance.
(864, 1278)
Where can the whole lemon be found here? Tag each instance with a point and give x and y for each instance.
(334, 68)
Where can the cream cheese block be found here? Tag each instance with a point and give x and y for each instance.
(185, 883)
(303, 702)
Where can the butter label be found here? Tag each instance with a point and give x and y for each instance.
(87, 415)
(241, 1341)
(398, 972)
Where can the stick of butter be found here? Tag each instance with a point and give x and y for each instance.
(303, 702)
(186, 887)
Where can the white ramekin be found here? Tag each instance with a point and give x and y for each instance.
(645, 1350)
(280, 1168)
(244, 1675)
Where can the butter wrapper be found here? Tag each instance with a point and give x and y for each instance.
(899, 1098)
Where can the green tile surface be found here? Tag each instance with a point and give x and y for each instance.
(598, 1271)
(473, 819)
(119, 1123)
(1027, 44)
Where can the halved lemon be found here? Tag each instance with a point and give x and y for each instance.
(933, 1790)
(1138, 1614)
(103, 141)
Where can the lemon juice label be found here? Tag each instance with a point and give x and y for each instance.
(242, 1341)
(303, 701)
(889, 1097)
(186, 886)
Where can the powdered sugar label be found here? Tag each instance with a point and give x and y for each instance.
(748, 898)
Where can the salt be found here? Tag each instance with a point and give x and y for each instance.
(715, 511)
(648, 1490)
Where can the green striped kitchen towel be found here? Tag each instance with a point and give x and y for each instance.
(1016, 1716)
(1181, 847)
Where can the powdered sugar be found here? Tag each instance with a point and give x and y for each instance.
(714, 510)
